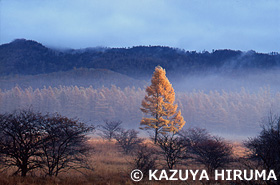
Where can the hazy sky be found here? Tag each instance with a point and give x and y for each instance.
(186, 24)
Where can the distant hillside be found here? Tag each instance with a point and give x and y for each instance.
(96, 78)
(27, 57)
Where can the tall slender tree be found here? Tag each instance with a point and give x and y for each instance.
(159, 103)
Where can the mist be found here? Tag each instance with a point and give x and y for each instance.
(251, 80)
(230, 105)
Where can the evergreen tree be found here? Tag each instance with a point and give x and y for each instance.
(159, 103)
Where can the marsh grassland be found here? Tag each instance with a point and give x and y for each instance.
(112, 167)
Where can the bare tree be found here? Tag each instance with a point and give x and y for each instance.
(173, 149)
(30, 140)
(214, 153)
(265, 148)
(110, 129)
(65, 145)
(194, 135)
(145, 158)
(19, 140)
(128, 140)
(211, 151)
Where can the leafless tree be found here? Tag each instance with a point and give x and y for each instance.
(30, 140)
(128, 140)
(173, 149)
(214, 153)
(145, 158)
(20, 141)
(65, 145)
(265, 148)
(110, 129)
(211, 151)
(194, 135)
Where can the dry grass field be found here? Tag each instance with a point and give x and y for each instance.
(111, 167)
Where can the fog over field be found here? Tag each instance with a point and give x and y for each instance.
(227, 92)
(230, 105)
(233, 81)
(244, 99)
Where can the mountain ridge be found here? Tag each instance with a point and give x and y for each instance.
(27, 57)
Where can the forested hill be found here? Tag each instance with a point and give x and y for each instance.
(27, 57)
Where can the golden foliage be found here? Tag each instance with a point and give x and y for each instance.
(159, 103)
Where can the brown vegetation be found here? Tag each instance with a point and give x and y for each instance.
(112, 161)
(111, 166)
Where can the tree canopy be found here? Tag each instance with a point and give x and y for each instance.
(159, 103)
(52, 143)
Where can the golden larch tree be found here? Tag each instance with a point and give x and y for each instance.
(159, 103)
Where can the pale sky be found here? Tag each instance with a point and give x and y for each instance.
(187, 24)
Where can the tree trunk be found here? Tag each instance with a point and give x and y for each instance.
(23, 170)
(156, 134)
(156, 131)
